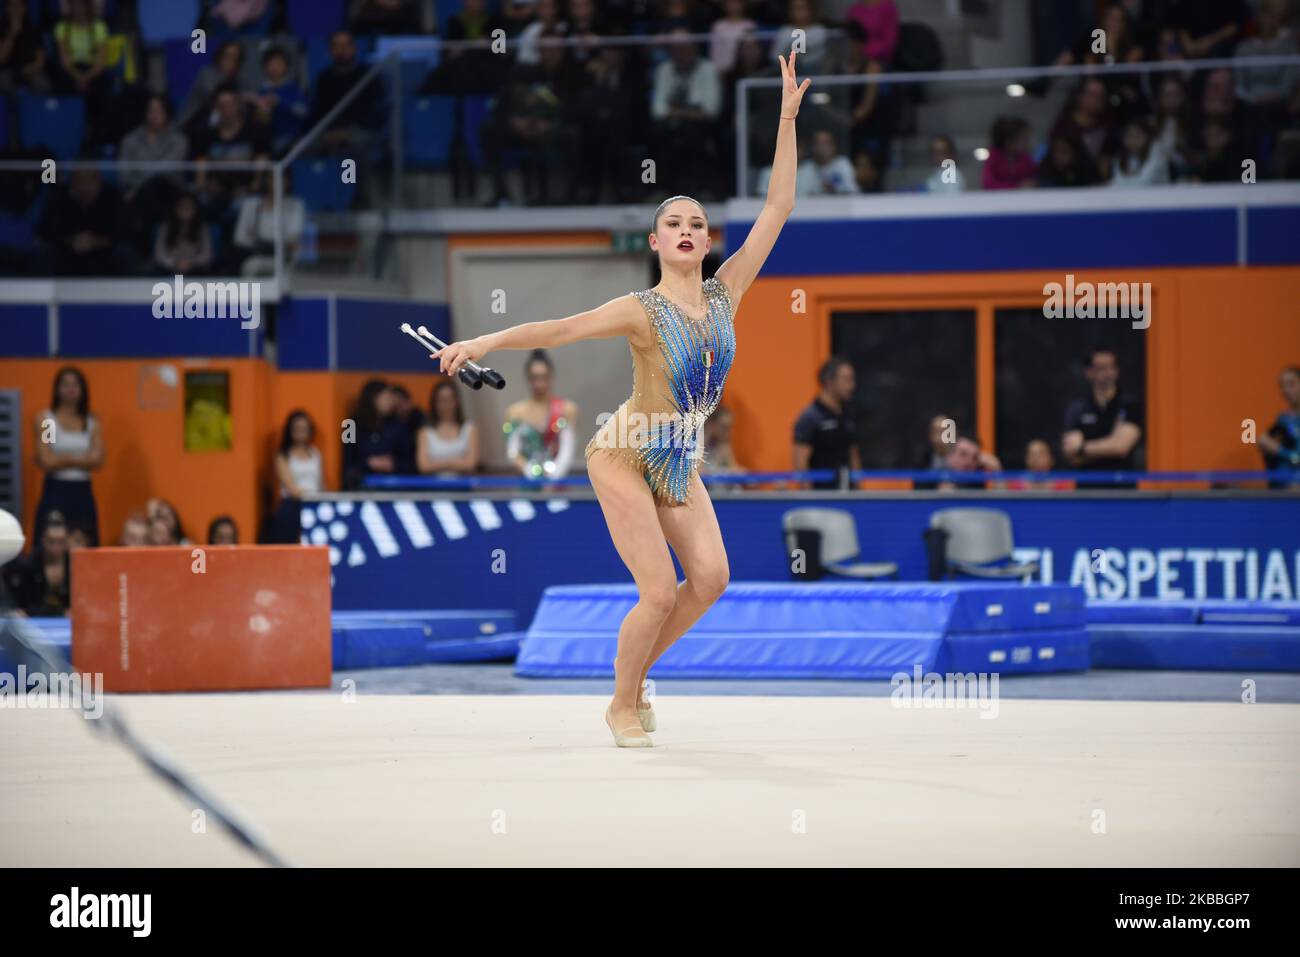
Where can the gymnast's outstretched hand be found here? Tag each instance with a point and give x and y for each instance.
(454, 356)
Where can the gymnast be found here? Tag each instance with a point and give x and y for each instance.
(643, 462)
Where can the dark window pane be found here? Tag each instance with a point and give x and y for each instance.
(910, 367)
(1040, 365)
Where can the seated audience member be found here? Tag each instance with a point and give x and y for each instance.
(234, 15)
(386, 17)
(22, 52)
(1038, 458)
(351, 130)
(224, 72)
(827, 171)
(1219, 156)
(1268, 90)
(878, 23)
(947, 175)
(232, 139)
(280, 105)
(1141, 160)
(685, 102)
(379, 441)
(81, 40)
(449, 444)
(164, 523)
(223, 531)
(967, 456)
(1066, 165)
(826, 432)
(1171, 123)
(1208, 29)
(184, 242)
(1010, 165)
(410, 421)
(816, 57)
(135, 531)
(256, 224)
(150, 195)
(1086, 120)
(727, 31)
(1281, 446)
(80, 228)
(39, 582)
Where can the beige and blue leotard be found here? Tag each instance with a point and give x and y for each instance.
(676, 385)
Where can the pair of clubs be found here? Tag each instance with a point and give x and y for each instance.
(471, 373)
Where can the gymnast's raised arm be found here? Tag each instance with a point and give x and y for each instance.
(618, 317)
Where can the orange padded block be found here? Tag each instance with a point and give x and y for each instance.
(202, 618)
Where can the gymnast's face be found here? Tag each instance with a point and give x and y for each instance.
(683, 234)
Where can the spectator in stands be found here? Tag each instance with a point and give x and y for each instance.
(764, 102)
(184, 243)
(69, 447)
(827, 171)
(940, 437)
(1010, 164)
(1207, 29)
(878, 20)
(22, 54)
(388, 17)
(947, 175)
(150, 195)
(232, 16)
(516, 15)
(1066, 165)
(613, 103)
(80, 228)
(223, 531)
(1117, 44)
(1281, 446)
(82, 38)
(375, 446)
(474, 69)
(874, 110)
(727, 32)
(165, 522)
(816, 56)
(411, 419)
(1103, 429)
(225, 72)
(686, 100)
(867, 173)
(234, 139)
(449, 444)
(1172, 128)
(280, 104)
(825, 434)
(299, 471)
(40, 582)
(135, 530)
(548, 18)
(533, 113)
(1271, 94)
(718, 455)
(1219, 159)
(965, 455)
(1218, 101)
(1086, 119)
(256, 225)
(676, 15)
(1141, 160)
(1038, 459)
(352, 131)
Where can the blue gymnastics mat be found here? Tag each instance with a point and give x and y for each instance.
(823, 630)
(1195, 634)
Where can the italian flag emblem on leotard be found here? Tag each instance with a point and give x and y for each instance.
(708, 358)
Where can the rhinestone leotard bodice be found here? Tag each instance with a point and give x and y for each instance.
(676, 385)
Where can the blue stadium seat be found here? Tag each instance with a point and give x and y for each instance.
(182, 67)
(312, 18)
(56, 122)
(428, 125)
(316, 181)
(477, 109)
(162, 20)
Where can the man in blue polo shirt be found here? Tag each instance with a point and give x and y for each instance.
(1104, 428)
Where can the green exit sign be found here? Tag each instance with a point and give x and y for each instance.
(628, 242)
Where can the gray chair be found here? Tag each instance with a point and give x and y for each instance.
(976, 537)
(837, 543)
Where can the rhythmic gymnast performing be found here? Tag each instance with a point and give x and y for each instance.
(644, 461)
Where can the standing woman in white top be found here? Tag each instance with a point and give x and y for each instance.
(448, 444)
(69, 446)
(298, 468)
